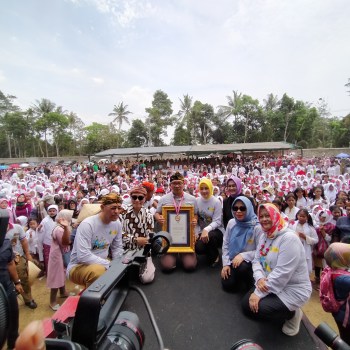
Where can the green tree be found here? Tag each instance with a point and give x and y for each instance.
(137, 134)
(41, 109)
(15, 127)
(232, 108)
(97, 138)
(57, 125)
(159, 117)
(120, 114)
(182, 135)
(250, 117)
(7, 104)
(78, 132)
(202, 117)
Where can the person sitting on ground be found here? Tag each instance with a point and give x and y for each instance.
(337, 257)
(177, 197)
(138, 226)
(210, 228)
(96, 235)
(282, 284)
(238, 250)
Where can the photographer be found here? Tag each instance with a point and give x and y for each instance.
(12, 285)
(95, 236)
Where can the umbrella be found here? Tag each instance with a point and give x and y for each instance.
(24, 165)
(342, 155)
(3, 167)
(14, 166)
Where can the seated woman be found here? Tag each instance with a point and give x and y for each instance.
(338, 258)
(282, 283)
(239, 244)
(210, 228)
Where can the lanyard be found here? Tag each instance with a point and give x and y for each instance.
(177, 208)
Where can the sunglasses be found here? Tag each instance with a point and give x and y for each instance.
(239, 208)
(140, 198)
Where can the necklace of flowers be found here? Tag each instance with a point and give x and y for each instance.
(264, 253)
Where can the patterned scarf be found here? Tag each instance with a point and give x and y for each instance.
(278, 223)
(338, 256)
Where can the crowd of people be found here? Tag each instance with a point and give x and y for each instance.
(266, 222)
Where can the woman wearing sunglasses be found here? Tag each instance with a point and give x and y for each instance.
(239, 245)
(282, 284)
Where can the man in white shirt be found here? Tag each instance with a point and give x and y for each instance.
(96, 235)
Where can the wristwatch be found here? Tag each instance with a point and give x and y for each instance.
(17, 282)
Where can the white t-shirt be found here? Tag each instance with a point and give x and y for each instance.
(93, 240)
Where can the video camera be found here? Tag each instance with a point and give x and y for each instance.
(98, 322)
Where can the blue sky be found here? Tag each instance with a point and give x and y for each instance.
(88, 55)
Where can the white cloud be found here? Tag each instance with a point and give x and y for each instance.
(137, 99)
(97, 80)
(2, 76)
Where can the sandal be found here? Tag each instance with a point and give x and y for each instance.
(55, 307)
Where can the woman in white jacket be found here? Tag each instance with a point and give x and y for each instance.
(282, 284)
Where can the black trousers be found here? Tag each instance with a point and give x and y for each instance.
(13, 311)
(241, 278)
(271, 308)
(210, 249)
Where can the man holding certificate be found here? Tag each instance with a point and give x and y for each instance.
(180, 222)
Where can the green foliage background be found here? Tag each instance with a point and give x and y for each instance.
(45, 129)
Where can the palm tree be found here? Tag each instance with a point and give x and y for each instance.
(120, 113)
(232, 108)
(186, 107)
(41, 109)
(184, 115)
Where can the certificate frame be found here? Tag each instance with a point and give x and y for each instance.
(181, 231)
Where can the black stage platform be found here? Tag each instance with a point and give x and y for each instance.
(193, 312)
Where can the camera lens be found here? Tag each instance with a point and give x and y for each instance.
(126, 333)
(246, 344)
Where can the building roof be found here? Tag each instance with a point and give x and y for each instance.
(197, 149)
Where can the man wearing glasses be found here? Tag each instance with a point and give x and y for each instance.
(137, 220)
(96, 235)
(177, 197)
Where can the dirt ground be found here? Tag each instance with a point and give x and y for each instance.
(312, 309)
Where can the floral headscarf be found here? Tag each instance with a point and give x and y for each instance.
(278, 223)
(338, 256)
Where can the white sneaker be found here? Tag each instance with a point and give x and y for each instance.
(291, 327)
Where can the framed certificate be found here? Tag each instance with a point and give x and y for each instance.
(180, 228)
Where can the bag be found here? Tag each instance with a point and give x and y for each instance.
(328, 301)
(147, 271)
(320, 247)
(33, 272)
